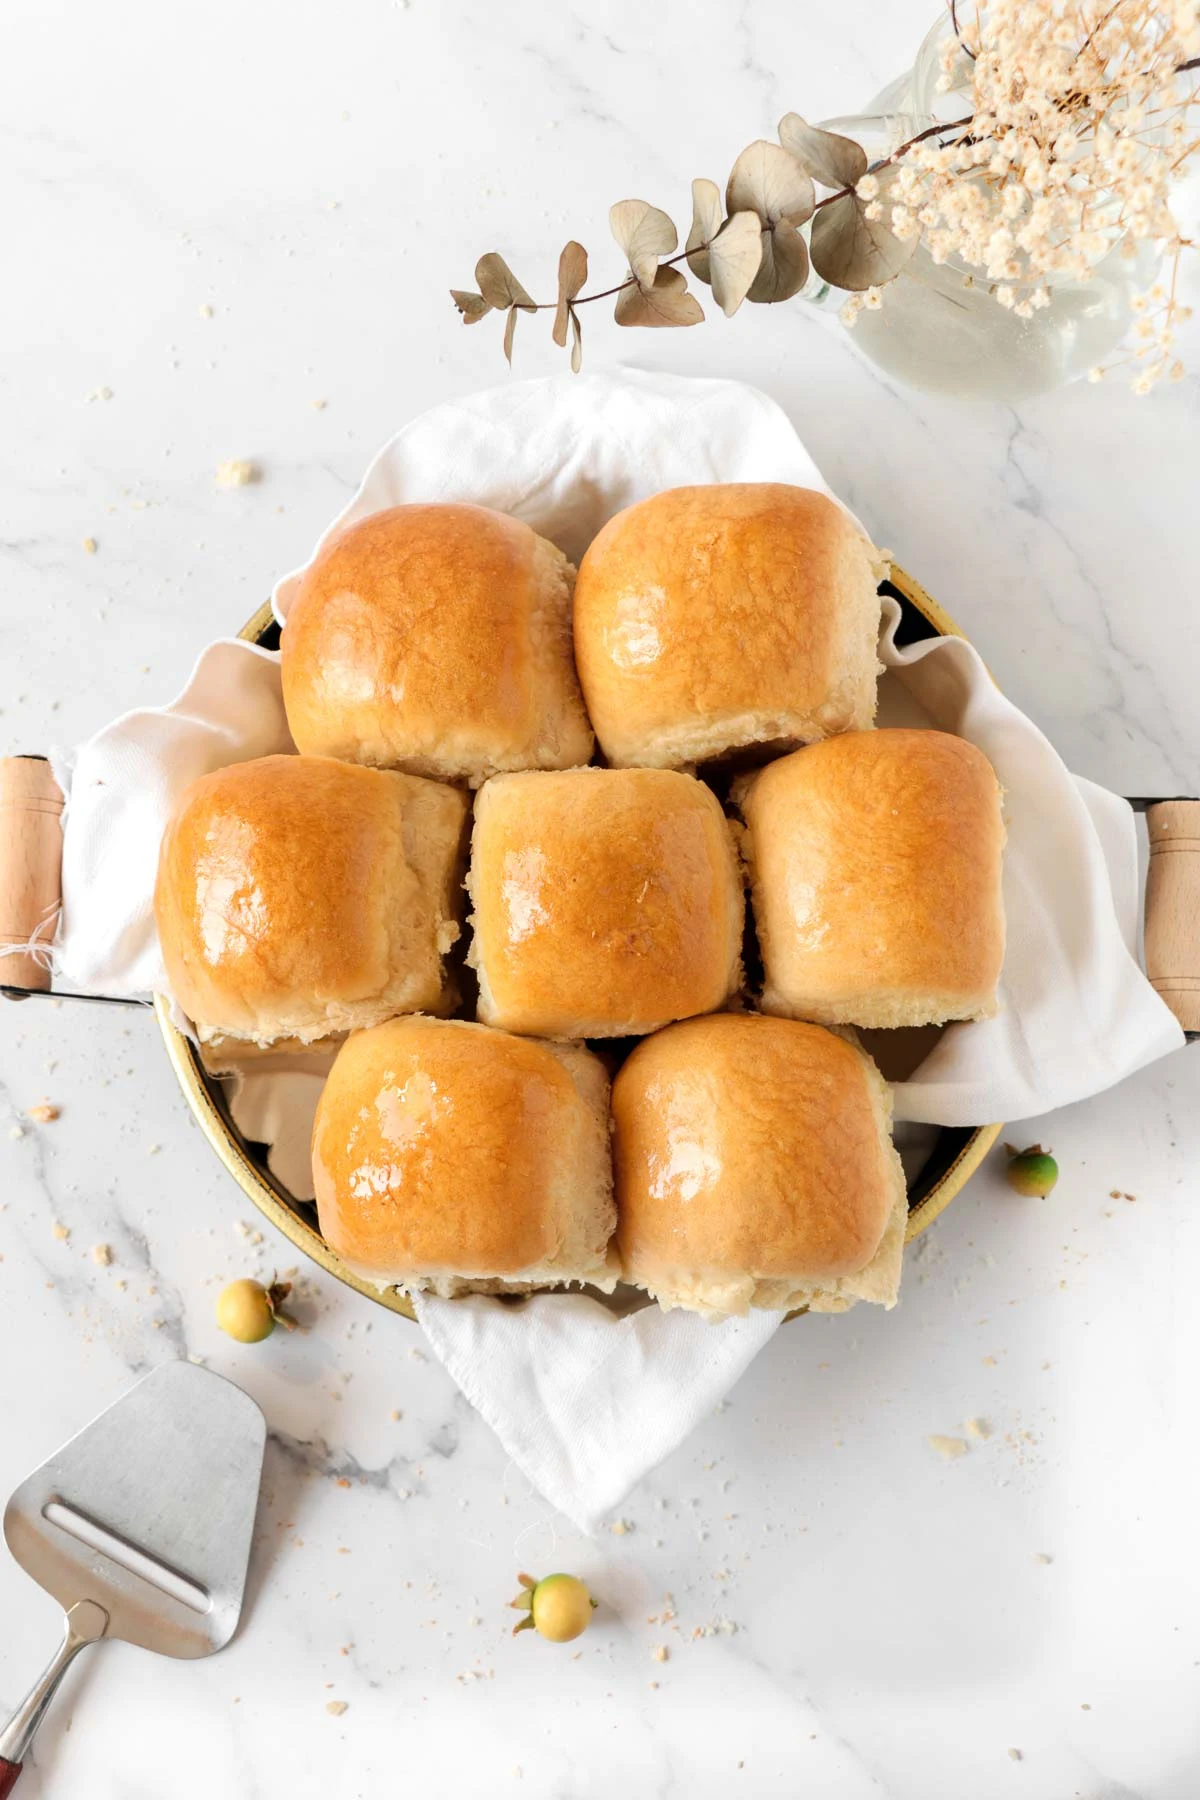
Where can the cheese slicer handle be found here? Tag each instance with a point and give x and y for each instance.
(31, 804)
(1172, 936)
(85, 1623)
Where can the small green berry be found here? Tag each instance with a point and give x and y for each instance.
(559, 1607)
(1031, 1172)
(249, 1312)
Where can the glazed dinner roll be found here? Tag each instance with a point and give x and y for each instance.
(299, 898)
(436, 639)
(755, 1167)
(606, 902)
(448, 1156)
(710, 618)
(875, 874)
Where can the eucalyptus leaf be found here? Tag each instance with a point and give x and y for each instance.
(576, 343)
(498, 285)
(666, 303)
(471, 306)
(854, 252)
(706, 222)
(784, 267)
(834, 161)
(645, 234)
(572, 273)
(510, 326)
(767, 181)
(735, 256)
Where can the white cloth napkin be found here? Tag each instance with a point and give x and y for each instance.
(585, 1401)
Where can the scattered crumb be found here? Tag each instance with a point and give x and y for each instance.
(653, 1684)
(1016, 1755)
(1039, 1556)
(206, 311)
(102, 1255)
(978, 1428)
(989, 1362)
(336, 1707)
(660, 1653)
(241, 1228)
(256, 1237)
(237, 471)
(1085, 1706)
(417, 1355)
(320, 405)
(620, 1527)
(153, 1149)
(1114, 1194)
(100, 393)
(949, 1447)
(16, 1131)
(60, 1231)
(90, 545)
(395, 1416)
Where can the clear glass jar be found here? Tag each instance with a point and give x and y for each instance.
(939, 327)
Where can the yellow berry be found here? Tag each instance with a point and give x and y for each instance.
(559, 1607)
(244, 1310)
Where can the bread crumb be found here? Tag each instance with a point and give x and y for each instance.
(1016, 1755)
(100, 393)
(60, 1231)
(241, 1228)
(660, 1653)
(978, 1428)
(153, 1149)
(653, 1684)
(206, 311)
(989, 1362)
(395, 1416)
(336, 1707)
(16, 1131)
(44, 1113)
(102, 1255)
(320, 405)
(620, 1527)
(949, 1447)
(1039, 1556)
(237, 471)
(90, 546)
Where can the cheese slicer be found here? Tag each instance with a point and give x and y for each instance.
(140, 1527)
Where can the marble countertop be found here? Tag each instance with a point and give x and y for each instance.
(230, 232)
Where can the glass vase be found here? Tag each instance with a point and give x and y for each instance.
(939, 326)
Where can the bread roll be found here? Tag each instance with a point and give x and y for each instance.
(875, 873)
(709, 618)
(755, 1167)
(607, 902)
(301, 898)
(436, 639)
(447, 1157)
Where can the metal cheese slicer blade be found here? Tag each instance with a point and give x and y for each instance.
(140, 1527)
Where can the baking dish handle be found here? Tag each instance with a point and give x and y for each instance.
(31, 804)
(1172, 935)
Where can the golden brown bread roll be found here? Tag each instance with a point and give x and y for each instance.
(606, 902)
(707, 618)
(755, 1167)
(298, 897)
(447, 1156)
(436, 639)
(875, 863)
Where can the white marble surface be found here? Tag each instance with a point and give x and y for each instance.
(319, 177)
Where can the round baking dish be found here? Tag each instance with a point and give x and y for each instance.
(957, 1151)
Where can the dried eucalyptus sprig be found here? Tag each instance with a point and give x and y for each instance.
(1077, 118)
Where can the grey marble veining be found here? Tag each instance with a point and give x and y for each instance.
(855, 1618)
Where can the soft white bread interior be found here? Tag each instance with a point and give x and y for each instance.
(448, 1157)
(712, 618)
(606, 902)
(754, 1166)
(301, 898)
(437, 639)
(875, 864)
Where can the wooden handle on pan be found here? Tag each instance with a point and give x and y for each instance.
(31, 804)
(1173, 907)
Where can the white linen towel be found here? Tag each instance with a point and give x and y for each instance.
(584, 1401)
